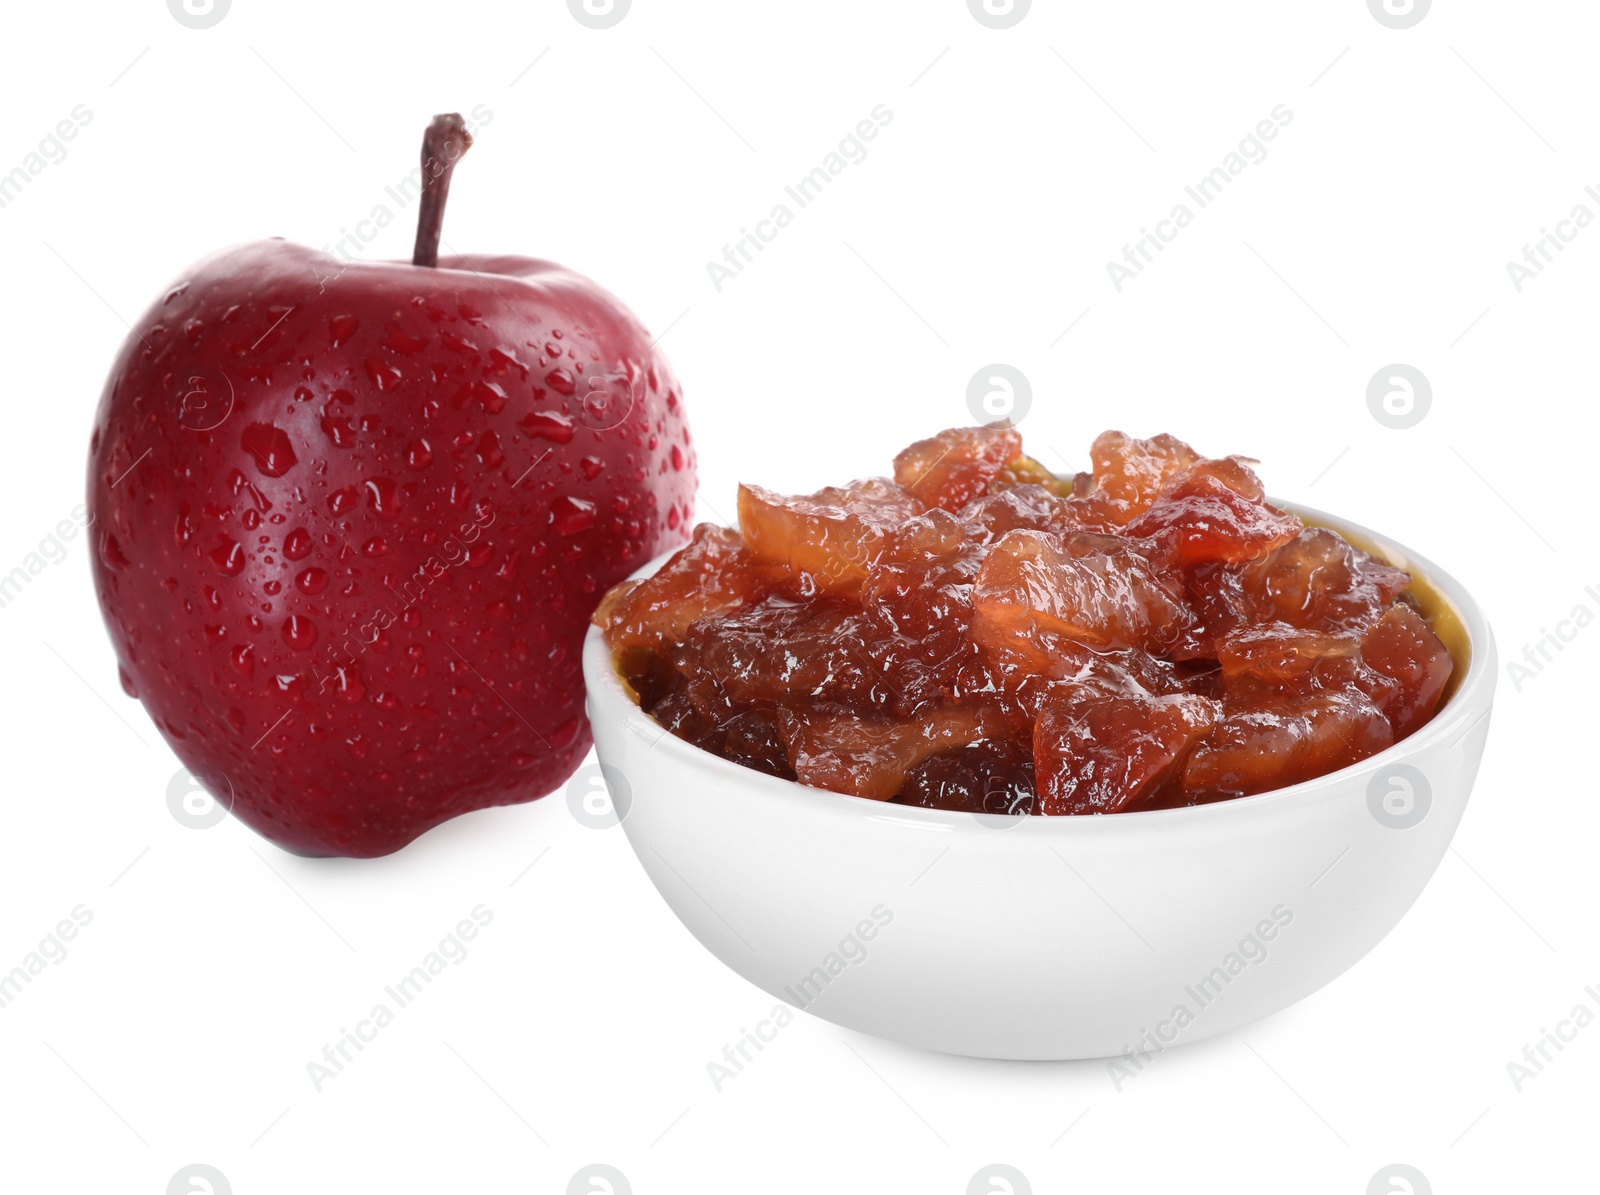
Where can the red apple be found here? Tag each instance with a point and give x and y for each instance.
(352, 519)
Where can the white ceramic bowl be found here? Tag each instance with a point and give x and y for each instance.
(1049, 937)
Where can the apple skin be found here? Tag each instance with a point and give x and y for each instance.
(351, 521)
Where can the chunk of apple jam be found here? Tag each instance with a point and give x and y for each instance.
(1106, 752)
(868, 755)
(1133, 472)
(1214, 513)
(714, 574)
(1401, 645)
(826, 541)
(1099, 590)
(981, 635)
(1271, 742)
(956, 466)
(989, 776)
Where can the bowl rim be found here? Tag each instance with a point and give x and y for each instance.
(1470, 703)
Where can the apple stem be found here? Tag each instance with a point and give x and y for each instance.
(443, 143)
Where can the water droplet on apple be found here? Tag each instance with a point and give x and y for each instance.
(337, 428)
(548, 425)
(571, 515)
(348, 687)
(341, 328)
(561, 382)
(269, 447)
(311, 581)
(381, 497)
(297, 544)
(489, 451)
(229, 558)
(299, 632)
(111, 553)
(403, 342)
(489, 395)
(383, 375)
(418, 454)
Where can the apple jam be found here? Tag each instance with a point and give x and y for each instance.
(979, 634)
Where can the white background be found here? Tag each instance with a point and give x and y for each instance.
(1018, 162)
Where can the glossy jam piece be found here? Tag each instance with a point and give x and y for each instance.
(670, 706)
(922, 583)
(1317, 581)
(1216, 598)
(712, 574)
(1282, 655)
(1285, 739)
(992, 776)
(1259, 666)
(752, 739)
(776, 649)
(1402, 646)
(980, 635)
(1215, 513)
(956, 466)
(1024, 672)
(825, 541)
(918, 597)
(868, 755)
(1100, 591)
(1025, 507)
(1096, 752)
(1132, 473)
